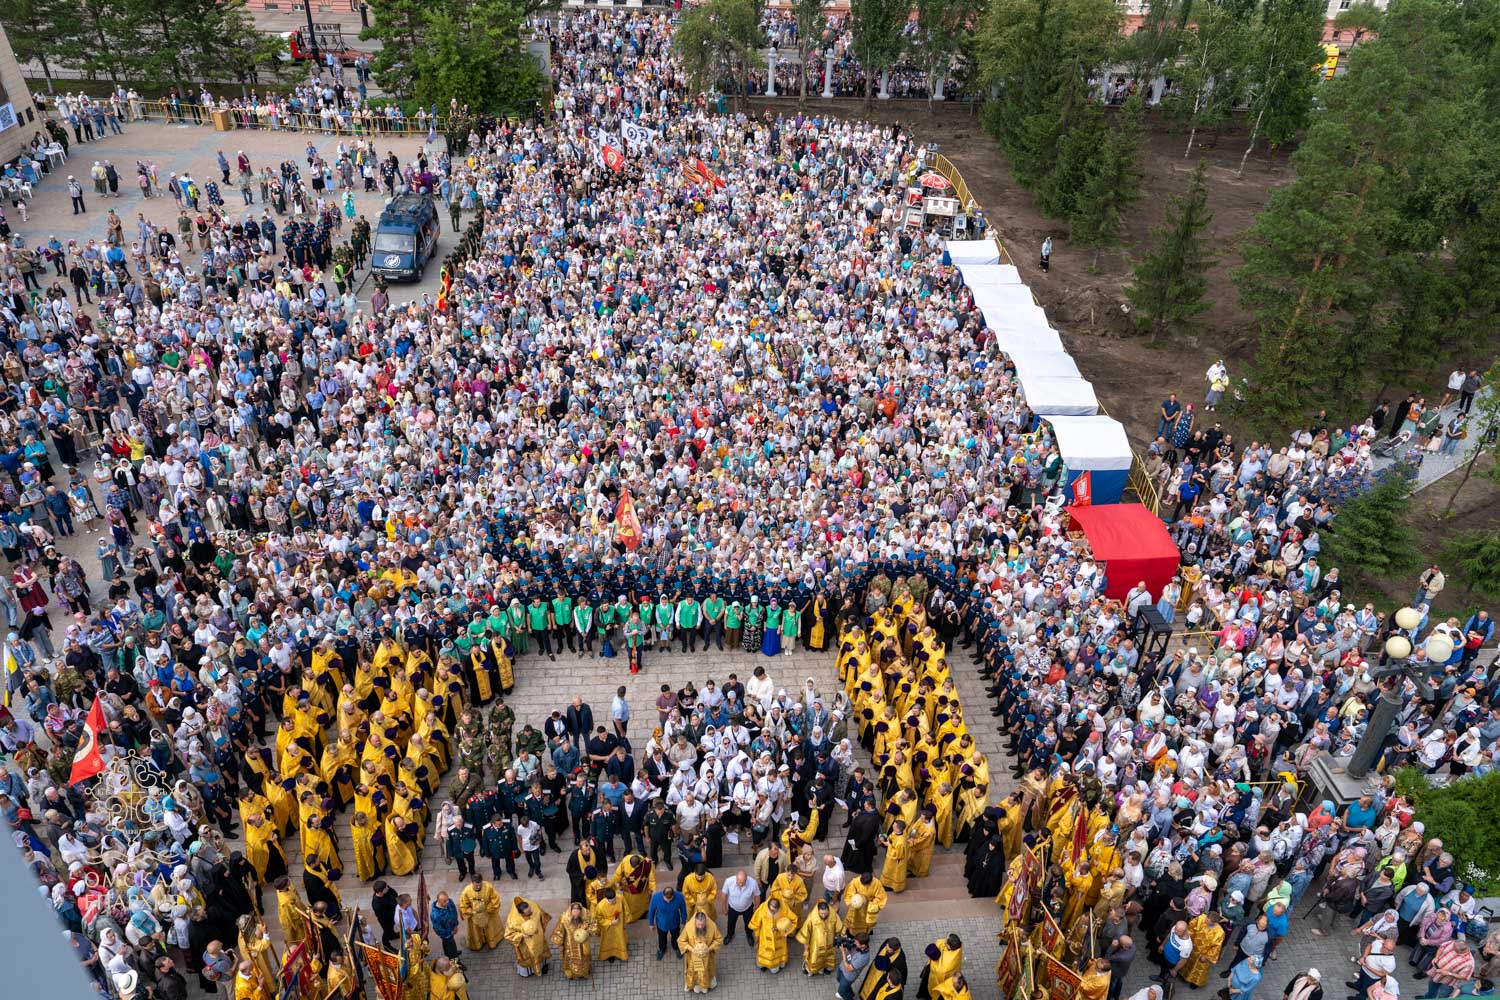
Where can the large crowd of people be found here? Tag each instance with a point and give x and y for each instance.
(715, 394)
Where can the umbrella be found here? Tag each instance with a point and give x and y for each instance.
(933, 179)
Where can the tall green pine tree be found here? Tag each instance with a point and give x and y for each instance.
(1167, 284)
(1370, 538)
(1111, 184)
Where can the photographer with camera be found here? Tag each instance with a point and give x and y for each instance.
(854, 957)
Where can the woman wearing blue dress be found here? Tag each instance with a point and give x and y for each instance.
(770, 645)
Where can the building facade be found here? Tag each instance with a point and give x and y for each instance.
(17, 115)
(1135, 12)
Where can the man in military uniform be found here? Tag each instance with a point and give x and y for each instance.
(359, 241)
(497, 841)
(497, 745)
(471, 754)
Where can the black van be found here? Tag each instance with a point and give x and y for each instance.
(405, 238)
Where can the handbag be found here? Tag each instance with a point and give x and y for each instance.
(607, 650)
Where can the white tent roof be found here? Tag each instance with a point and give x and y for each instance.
(1060, 396)
(1030, 340)
(1091, 443)
(973, 251)
(1044, 364)
(989, 274)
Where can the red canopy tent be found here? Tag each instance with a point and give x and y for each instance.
(1131, 542)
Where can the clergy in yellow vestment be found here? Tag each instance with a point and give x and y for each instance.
(919, 841)
(1081, 887)
(771, 925)
(526, 931)
(447, 981)
(479, 905)
(699, 943)
(893, 872)
(263, 848)
(574, 938)
(817, 935)
(700, 891)
(1208, 943)
(791, 889)
(255, 945)
(402, 843)
(887, 975)
(942, 806)
(955, 987)
(1095, 982)
(864, 898)
(292, 913)
(609, 916)
(362, 833)
(247, 983)
(945, 958)
(635, 880)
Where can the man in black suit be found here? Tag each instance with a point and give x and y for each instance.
(631, 819)
(580, 720)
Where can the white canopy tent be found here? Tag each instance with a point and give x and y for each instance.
(1096, 445)
(1054, 396)
(1044, 364)
(971, 252)
(975, 275)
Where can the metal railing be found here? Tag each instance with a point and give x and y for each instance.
(250, 118)
(966, 199)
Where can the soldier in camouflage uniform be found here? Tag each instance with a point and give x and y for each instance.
(501, 729)
(359, 241)
(471, 739)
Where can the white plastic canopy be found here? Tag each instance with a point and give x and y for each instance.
(972, 251)
(1054, 396)
(1091, 444)
(1044, 364)
(975, 275)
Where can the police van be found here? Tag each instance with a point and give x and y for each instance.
(405, 238)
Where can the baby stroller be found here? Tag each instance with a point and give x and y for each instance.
(1391, 447)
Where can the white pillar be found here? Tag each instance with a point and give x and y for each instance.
(828, 75)
(937, 91)
(885, 85)
(771, 72)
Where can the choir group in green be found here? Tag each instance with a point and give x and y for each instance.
(578, 626)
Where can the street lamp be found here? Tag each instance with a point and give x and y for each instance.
(1392, 679)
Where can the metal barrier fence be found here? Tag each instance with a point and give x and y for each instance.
(966, 198)
(263, 119)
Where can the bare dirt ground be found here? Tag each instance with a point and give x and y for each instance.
(1130, 375)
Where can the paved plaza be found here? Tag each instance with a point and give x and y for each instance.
(177, 148)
